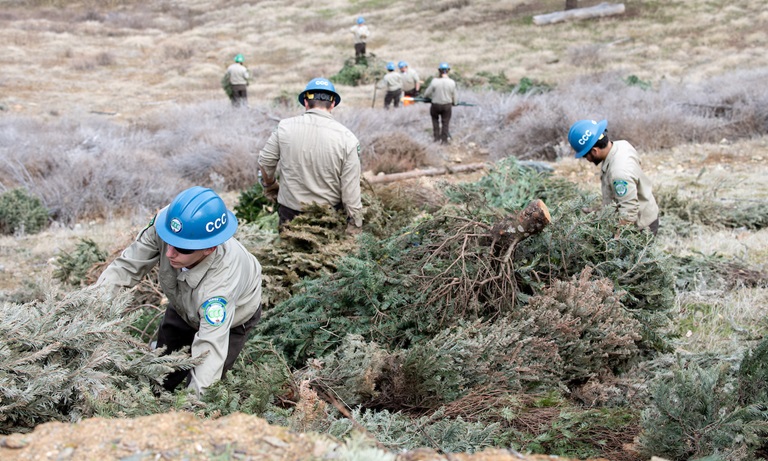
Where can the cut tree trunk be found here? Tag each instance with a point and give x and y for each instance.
(518, 227)
(597, 11)
(426, 172)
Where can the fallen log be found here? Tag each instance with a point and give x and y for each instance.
(597, 11)
(385, 178)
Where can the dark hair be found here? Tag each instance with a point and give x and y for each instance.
(316, 103)
(602, 141)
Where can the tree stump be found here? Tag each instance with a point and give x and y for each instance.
(518, 227)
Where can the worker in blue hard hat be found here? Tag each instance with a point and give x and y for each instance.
(312, 158)
(623, 182)
(361, 32)
(411, 82)
(212, 282)
(443, 95)
(393, 84)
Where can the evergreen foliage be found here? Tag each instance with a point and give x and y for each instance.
(398, 431)
(73, 268)
(696, 412)
(370, 70)
(714, 272)
(68, 357)
(712, 212)
(21, 212)
(254, 208)
(441, 270)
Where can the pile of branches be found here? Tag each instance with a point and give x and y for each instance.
(450, 267)
(70, 357)
(710, 211)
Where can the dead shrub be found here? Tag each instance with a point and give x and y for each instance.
(180, 53)
(395, 153)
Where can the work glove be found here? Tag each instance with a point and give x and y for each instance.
(270, 191)
(353, 230)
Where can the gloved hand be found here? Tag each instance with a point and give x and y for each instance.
(270, 191)
(353, 230)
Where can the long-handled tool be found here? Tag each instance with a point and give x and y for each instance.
(413, 99)
(375, 86)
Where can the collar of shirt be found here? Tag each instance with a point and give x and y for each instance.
(320, 112)
(194, 276)
(609, 158)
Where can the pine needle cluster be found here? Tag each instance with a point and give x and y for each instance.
(69, 357)
(710, 211)
(699, 411)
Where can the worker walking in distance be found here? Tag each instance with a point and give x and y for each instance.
(213, 284)
(393, 84)
(443, 95)
(361, 33)
(411, 83)
(315, 158)
(623, 182)
(235, 82)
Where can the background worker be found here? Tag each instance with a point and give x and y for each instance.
(361, 33)
(623, 182)
(444, 95)
(411, 83)
(237, 77)
(213, 284)
(393, 83)
(316, 159)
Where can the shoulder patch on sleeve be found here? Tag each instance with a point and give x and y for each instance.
(358, 150)
(151, 222)
(215, 310)
(620, 187)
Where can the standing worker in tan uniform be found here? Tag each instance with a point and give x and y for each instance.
(444, 95)
(411, 83)
(213, 284)
(361, 33)
(393, 83)
(237, 77)
(623, 182)
(316, 159)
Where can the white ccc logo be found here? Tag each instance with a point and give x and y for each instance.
(217, 224)
(585, 137)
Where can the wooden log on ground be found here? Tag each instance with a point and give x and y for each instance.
(518, 227)
(385, 178)
(597, 11)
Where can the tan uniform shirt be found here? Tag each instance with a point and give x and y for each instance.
(391, 81)
(360, 32)
(410, 79)
(442, 90)
(230, 276)
(238, 74)
(624, 183)
(316, 159)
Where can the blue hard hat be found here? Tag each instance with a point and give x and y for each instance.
(196, 219)
(239, 58)
(390, 65)
(444, 66)
(322, 85)
(402, 64)
(360, 20)
(584, 134)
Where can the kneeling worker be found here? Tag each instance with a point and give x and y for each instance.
(213, 284)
